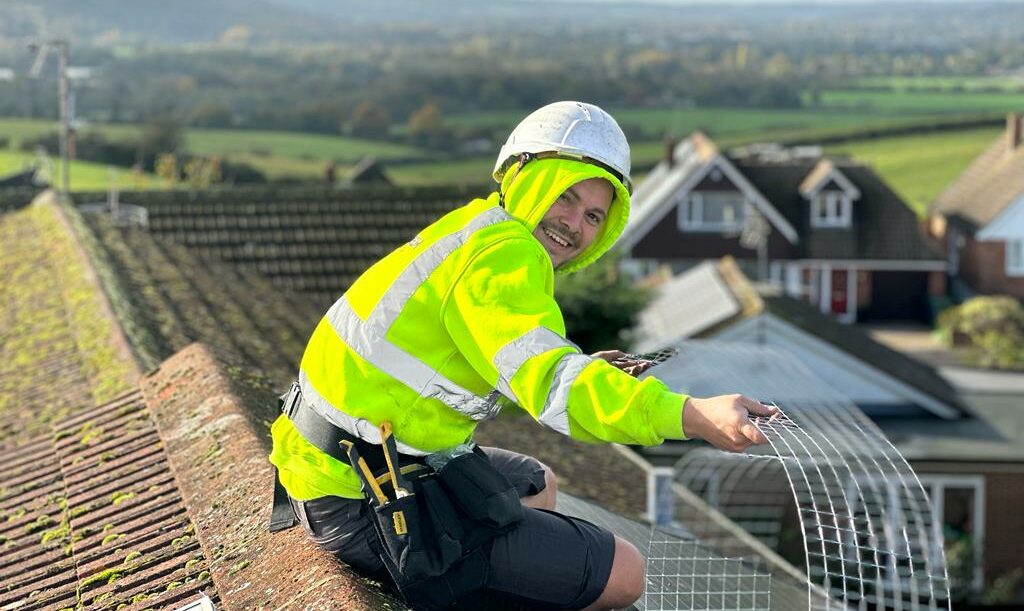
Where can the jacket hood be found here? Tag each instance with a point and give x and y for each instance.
(531, 191)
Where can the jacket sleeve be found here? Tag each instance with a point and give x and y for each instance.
(501, 314)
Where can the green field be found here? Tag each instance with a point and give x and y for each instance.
(918, 168)
(465, 172)
(85, 176)
(226, 142)
(924, 102)
(944, 83)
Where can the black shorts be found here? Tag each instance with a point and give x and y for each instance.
(549, 559)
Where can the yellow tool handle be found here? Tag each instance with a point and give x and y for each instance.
(385, 435)
(372, 481)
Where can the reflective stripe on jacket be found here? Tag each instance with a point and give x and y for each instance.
(437, 334)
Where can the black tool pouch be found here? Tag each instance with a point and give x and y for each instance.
(483, 494)
(421, 532)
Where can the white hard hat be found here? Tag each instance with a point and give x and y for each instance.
(573, 130)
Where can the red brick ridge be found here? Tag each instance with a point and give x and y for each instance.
(214, 424)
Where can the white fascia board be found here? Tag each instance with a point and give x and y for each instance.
(1009, 225)
(844, 183)
(773, 215)
(675, 187)
(663, 199)
(837, 357)
(896, 265)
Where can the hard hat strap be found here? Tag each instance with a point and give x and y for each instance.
(524, 158)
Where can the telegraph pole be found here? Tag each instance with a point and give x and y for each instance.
(65, 120)
(63, 91)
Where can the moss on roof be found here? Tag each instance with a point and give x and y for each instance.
(167, 297)
(59, 345)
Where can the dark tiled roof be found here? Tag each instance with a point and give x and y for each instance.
(24, 178)
(884, 228)
(367, 172)
(993, 180)
(311, 241)
(92, 517)
(168, 297)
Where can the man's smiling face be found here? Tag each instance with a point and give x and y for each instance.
(572, 222)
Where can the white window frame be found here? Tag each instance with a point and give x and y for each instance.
(837, 208)
(691, 213)
(1015, 258)
(935, 485)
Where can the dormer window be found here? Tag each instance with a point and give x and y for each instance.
(713, 211)
(830, 195)
(831, 209)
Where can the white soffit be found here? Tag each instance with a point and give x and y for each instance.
(832, 173)
(1009, 225)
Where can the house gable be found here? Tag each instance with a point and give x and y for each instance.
(697, 162)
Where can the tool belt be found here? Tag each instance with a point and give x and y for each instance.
(432, 525)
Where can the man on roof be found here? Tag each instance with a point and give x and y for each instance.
(437, 335)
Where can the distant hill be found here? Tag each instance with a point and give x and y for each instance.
(109, 22)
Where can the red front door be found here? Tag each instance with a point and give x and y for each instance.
(839, 287)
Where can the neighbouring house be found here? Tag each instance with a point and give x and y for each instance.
(23, 178)
(958, 428)
(980, 218)
(368, 172)
(827, 230)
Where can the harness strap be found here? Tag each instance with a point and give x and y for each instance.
(327, 438)
(282, 515)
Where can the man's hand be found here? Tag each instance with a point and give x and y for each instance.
(615, 357)
(723, 421)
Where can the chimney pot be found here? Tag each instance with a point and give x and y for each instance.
(1014, 129)
(670, 150)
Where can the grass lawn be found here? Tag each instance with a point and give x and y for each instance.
(85, 175)
(228, 142)
(918, 168)
(930, 102)
(719, 122)
(309, 147)
(963, 83)
(465, 172)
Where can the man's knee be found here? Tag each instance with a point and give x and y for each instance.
(546, 498)
(626, 582)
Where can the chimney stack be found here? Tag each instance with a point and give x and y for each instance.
(1014, 129)
(670, 150)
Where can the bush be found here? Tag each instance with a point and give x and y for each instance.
(600, 305)
(992, 327)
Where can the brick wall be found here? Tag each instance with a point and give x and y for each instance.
(1004, 523)
(983, 267)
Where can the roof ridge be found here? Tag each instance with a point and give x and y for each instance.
(212, 418)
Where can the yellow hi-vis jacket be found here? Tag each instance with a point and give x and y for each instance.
(435, 334)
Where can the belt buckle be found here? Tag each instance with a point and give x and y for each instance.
(290, 400)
